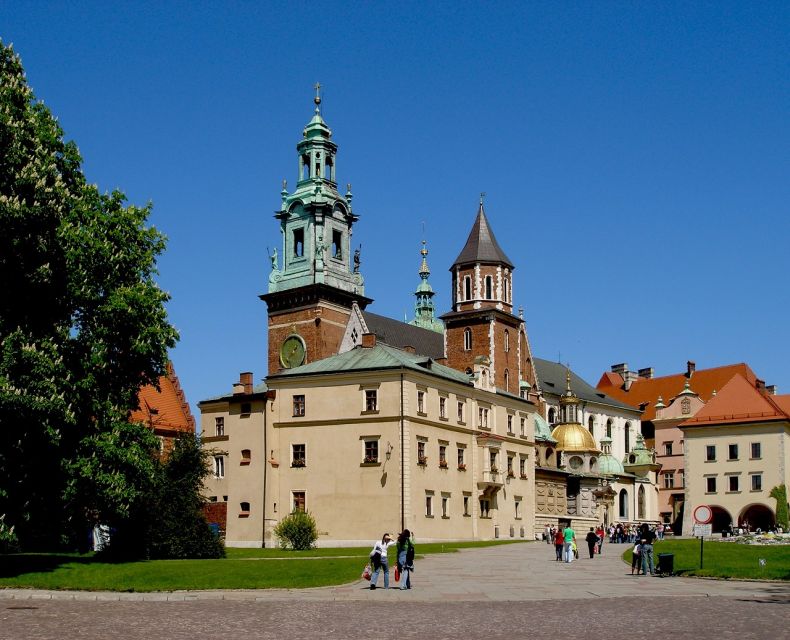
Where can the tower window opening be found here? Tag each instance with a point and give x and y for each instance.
(489, 288)
(328, 167)
(467, 339)
(337, 244)
(507, 341)
(467, 288)
(298, 243)
(305, 168)
(507, 380)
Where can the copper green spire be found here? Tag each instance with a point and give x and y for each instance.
(424, 315)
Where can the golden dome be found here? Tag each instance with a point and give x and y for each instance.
(572, 436)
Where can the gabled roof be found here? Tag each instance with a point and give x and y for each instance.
(377, 358)
(737, 402)
(481, 245)
(647, 390)
(552, 381)
(165, 409)
(401, 334)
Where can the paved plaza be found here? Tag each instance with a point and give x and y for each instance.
(496, 592)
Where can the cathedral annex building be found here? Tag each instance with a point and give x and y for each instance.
(438, 425)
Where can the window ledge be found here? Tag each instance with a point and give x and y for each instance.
(445, 517)
(244, 463)
(443, 418)
(244, 514)
(216, 439)
(369, 464)
(467, 515)
(429, 516)
(422, 413)
(518, 518)
(298, 466)
(462, 422)
(755, 490)
(368, 413)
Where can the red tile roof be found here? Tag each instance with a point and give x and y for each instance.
(647, 390)
(739, 401)
(166, 410)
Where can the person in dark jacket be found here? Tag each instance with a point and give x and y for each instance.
(405, 550)
(592, 540)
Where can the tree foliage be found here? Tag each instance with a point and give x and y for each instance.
(297, 531)
(779, 493)
(82, 327)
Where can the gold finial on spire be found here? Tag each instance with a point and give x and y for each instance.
(317, 98)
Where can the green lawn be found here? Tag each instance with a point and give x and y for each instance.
(725, 559)
(242, 569)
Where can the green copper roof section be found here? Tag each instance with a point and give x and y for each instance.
(542, 430)
(378, 358)
(608, 465)
(424, 311)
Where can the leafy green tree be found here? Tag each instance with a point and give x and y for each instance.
(82, 327)
(779, 493)
(297, 531)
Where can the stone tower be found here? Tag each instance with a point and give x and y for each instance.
(481, 325)
(314, 276)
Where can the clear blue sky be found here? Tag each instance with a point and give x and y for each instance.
(635, 157)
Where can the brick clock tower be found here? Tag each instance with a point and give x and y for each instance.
(314, 278)
(481, 327)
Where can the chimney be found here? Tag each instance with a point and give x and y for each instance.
(629, 377)
(761, 385)
(646, 373)
(691, 367)
(771, 389)
(368, 340)
(245, 379)
(621, 368)
(409, 349)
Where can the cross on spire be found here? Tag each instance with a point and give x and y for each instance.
(482, 195)
(317, 98)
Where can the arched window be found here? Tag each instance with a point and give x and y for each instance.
(623, 504)
(641, 503)
(591, 425)
(552, 415)
(609, 428)
(467, 287)
(467, 339)
(628, 437)
(506, 288)
(507, 341)
(305, 173)
(507, 380)
(489, 288)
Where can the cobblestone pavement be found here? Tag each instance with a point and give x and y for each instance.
(496, 592)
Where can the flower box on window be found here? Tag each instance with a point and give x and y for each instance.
(443, 464)
(422, 460)
(510, 474)
(370, 460)
(523, 476)
(298, 462)
(461, 467)
(494, 469)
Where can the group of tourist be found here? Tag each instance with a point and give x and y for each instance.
(565, 546)
(629, 533)
(405, 555)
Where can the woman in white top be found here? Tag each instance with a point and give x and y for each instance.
(378, 558)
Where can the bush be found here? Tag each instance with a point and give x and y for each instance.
(297, 531)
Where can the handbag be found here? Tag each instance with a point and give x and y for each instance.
(397, 574)
(366, 572)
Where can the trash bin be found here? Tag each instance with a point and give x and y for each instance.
(666, 564)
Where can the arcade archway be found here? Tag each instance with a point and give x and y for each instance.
(721, 519)
(758, 516)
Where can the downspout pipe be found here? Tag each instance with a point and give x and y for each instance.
(402, 463)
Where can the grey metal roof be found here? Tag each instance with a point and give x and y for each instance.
(552, 381)
(401, 334)
(256, 390)
(481, 245)
(380, 357)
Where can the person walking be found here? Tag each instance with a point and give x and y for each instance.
(636, 558)
(570, 536)
(592, 540)
(647, 550)
(559, 543)
(405, 551)
(379, 560)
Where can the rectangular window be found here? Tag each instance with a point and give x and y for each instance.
(421, 457)
(371, 400)
(732, 452)
(757, 482)
(710, 453)
(510, 424)
(482, 418)
(219, 426)
(510, 467)
(460, 411)
(466, 506)
(443, 408)
(757, 451)
(445, 504)
(733, 483)
(298, 406)
(517, 504)
(667, 448)
(461, 460)
(523, 426)
(669, 480)
(371, 451)
(492, 461)
(246, 408)
(522, 467)
(710, 485)
(219, 466)
(443, 456)
(681, 478)
(429, 506)
(421, 402)
(298, 243)
(299, 502)
(298, 452)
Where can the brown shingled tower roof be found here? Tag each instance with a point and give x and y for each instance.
(481, 245)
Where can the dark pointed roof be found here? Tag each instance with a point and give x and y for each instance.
(481, 245)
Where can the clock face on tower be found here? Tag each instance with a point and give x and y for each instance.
(293, 351)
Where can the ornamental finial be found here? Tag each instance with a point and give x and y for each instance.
(317, 98)
(482, 195)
